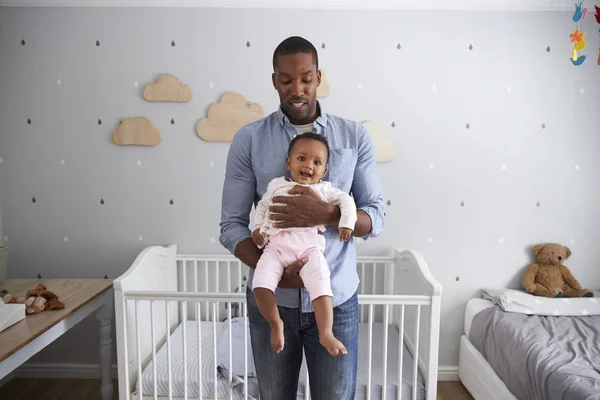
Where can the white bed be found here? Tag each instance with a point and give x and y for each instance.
(163, 291)
(517, 345)
(475, 373)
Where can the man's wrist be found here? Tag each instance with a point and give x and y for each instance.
(247, 252)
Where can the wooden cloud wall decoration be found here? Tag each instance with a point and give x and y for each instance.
(324, 88)
(136, 131)
(384, 148)
(227, 116)
(168, 88)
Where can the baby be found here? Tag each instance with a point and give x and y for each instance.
(306, 161)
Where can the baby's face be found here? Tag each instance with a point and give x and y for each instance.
(307, 161)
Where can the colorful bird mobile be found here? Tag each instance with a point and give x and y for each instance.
(578, 36)
(597, 15)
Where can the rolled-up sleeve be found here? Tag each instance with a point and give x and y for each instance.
(366, 187)
(239, 190)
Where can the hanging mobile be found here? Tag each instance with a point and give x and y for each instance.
(597, 15)
(578, 36)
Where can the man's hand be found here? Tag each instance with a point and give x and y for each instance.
(291, 275)
(259, 239)
(303, 208)
(345, 234)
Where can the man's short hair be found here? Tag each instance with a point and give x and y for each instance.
(295, 45)
(309, 136)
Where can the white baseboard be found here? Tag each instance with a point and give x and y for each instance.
(61, 370)
(448, 373)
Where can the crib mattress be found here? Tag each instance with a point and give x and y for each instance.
(223, 391)
(195, 375)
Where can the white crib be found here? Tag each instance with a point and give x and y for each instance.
(182, 328)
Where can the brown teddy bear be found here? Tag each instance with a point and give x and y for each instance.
(549, 277)
(40, 299)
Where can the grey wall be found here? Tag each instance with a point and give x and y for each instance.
(450, 197)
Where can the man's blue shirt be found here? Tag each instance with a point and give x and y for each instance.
(257, 155)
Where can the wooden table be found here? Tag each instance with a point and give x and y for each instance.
(81, 297)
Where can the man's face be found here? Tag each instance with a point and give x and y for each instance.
(296, 79)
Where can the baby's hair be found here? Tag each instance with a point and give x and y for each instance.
(308, 135)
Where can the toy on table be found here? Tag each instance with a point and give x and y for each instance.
(40, 299)
(549, 277)
(9, 298)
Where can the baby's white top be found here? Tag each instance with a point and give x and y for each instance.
(328, 193)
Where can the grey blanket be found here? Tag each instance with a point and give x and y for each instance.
(541, 357)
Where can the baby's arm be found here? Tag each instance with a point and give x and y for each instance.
(347, 209)
(260, 239)
(261, 211)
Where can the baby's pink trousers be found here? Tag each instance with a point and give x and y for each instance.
(283, 249)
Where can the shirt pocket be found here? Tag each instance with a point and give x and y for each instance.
(340, 168)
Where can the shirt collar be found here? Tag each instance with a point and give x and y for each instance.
(321, 119)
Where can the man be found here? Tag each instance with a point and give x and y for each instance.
(256, 156)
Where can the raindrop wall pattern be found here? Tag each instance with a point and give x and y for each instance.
(472, 153)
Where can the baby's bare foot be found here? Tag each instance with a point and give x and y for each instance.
(277, 339)
(333, 346)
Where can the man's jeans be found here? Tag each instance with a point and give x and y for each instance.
(330, 378)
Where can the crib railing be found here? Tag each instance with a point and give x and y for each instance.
(211, 289)
(141, 299)
(222, 274)
(212, 300)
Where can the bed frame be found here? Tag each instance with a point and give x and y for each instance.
(478, 376)
(163, 289)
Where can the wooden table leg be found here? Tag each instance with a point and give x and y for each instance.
(105, 317)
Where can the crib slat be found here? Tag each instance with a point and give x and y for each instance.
(217, 291)
(374, 283)
(230, 349)
(199, 330)
(215, 346)
(370, 350)
(153, 338)
(196, 276)
(228, 276)
(217, 286)
(416, 355)
(168, 330)
(126, 346)
(400, 351)
(197, 310)
(185, 378)
(206, 288)
(386, 319)
(240, 285)
(139, 350)
(184, 275)
(362, 291)
(229, 305)
(245, 308)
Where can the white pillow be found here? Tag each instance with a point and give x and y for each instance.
(521, 302)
